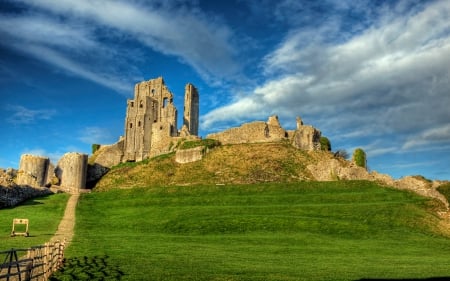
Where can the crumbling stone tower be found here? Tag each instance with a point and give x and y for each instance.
(150, 115)
(191, 109)
(151, 119)
(33, 170)
(71, 171)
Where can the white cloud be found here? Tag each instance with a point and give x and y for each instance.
(37, 29)
(430, 136)
(91, 135)
(23, 115)
(69, 46)
(200, 41)
(393, 78)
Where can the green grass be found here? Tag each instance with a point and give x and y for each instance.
(301, 231)
(44, 214)
(207, 143)
(444, 189)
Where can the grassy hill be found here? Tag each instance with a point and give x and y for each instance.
(346, 230)
(44, 214)
(230, 164)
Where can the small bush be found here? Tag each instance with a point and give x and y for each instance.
(325, 144)
(359, 157)
(95, 147)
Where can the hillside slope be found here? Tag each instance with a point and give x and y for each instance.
(256, 163)
(243, 163)
(345, 230)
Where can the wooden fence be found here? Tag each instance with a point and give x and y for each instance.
(33, 264)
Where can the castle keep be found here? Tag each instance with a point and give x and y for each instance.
(151, 119)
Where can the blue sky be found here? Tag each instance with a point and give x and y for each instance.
(370, 74)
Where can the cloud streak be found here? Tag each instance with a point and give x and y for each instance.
(186, 33)
(91, 135)
(22, 115)
(397, 66)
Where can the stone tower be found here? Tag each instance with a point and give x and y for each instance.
(191, 111)
(150, 120)
(71, 171)
(33, 170)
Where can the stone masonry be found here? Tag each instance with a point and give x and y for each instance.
(150, 126)
(304, 137)
(151, 119)
(33, 170)
(71, 170)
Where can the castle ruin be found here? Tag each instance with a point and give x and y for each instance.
(33, 170)
(151, 120)
(305, 137)
(151, 129)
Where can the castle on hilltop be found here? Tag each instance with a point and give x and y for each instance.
(151, 119)
(151, 129)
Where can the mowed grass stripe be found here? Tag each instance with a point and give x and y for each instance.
(301, 231)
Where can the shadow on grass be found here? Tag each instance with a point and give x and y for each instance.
(408, 279)
(87, 268)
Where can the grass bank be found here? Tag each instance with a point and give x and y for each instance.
(229, 164)
(292, 231)
(44, 214)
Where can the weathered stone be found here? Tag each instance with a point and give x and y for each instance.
(326, 169)
(191, 110)
(109, 155)
(329, 169)
(72, 170)
(190, 155)
(304, 137)
(13, 194)
(33, 170)
(151, 119)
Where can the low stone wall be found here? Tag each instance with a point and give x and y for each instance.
(12, 195)
(189, 155)
(253, 132)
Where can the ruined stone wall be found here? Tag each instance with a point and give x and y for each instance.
(191, 109)
(110, 155)
(12, 195)
(253, 132)
(72, 170)
(161, 139)
(33, 170)
(306, 138)
(150, 121)
(190, 155)
(102, 160)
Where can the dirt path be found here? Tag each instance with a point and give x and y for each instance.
(67, 224)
